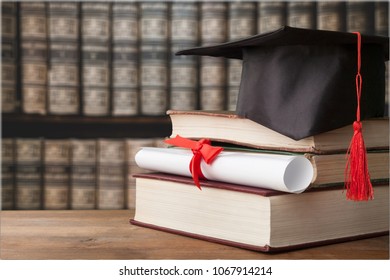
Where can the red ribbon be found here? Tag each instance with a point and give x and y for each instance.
(357, 177)
(201, 149)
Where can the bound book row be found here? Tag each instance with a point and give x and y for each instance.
(117, 58)
(258, 189)
(70, 173)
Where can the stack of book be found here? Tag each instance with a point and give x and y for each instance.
(257, 214)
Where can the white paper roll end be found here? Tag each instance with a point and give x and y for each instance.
(298, 174)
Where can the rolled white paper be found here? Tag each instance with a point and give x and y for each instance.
(285, 173)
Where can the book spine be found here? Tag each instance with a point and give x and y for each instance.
(28, 178)
(95, 40)
(183, 69)
(382, 18)
(302, 14)
(331, 16)
(83, 176)
(154, 57)
(271, 15)
(111, 174)
(125, 85)
(33, 32)
(213, 26)
(63, 81)
(56, 174)
(361, 17)
(9, 57)
(7, 174)
(132, 146)
(241, 23)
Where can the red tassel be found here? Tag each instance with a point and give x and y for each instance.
(358, 183)
(357, 177)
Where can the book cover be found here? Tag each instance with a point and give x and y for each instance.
(242, 22)
(63, 76)
(361, 17)
(56, 177)
(34, 47)
(133, 145)
(111, 174)
(213, 29)
(9, 57)
(228, 127)
(83, 175)
(184, 33)
(331, 16)
(154, 57)
(95, 46)
(125, 61)
(7, 174)
(28, 178)
(271, 15)
(254, 218)
(302, 14)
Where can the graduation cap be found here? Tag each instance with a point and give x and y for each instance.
(302, 82)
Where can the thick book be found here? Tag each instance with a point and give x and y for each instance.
(302, 14)
(361, 17)
(228, 127)
(331, 16)
(125, 62)
(133, 145)
(56, 175)
(184, 33)
(33, 59)
(242, 22)
(83, 175)
(95, 51)
(28, 177)
(271, 15)
(255, 218)
(213, 29)
(7, 173)
(63, 76)
(154, 57)
(9, 57)
(111, 174)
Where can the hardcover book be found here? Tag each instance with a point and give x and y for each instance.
(241, 23)
(111, 174)
(213, 28)
(125, 85)
(28, 177)
(33, 40)
(9, 57)
(154, 57)
(228, 127)
(56, 177)
(271, 15)
(83, 175)
(63, 81)
(331, 16)
(361, 17)
(95, 41)
(183, 70)
(7, 173)
(255, 218)
(132, 147)
(302, 14)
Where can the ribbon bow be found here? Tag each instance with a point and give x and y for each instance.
(201, 149)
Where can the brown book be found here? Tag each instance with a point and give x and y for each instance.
(256, 218)
(230, 128)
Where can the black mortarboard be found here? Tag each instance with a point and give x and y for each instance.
(301, 82)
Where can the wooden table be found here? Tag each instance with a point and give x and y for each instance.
(107, 234)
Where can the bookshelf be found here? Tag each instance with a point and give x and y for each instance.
(34, 126)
